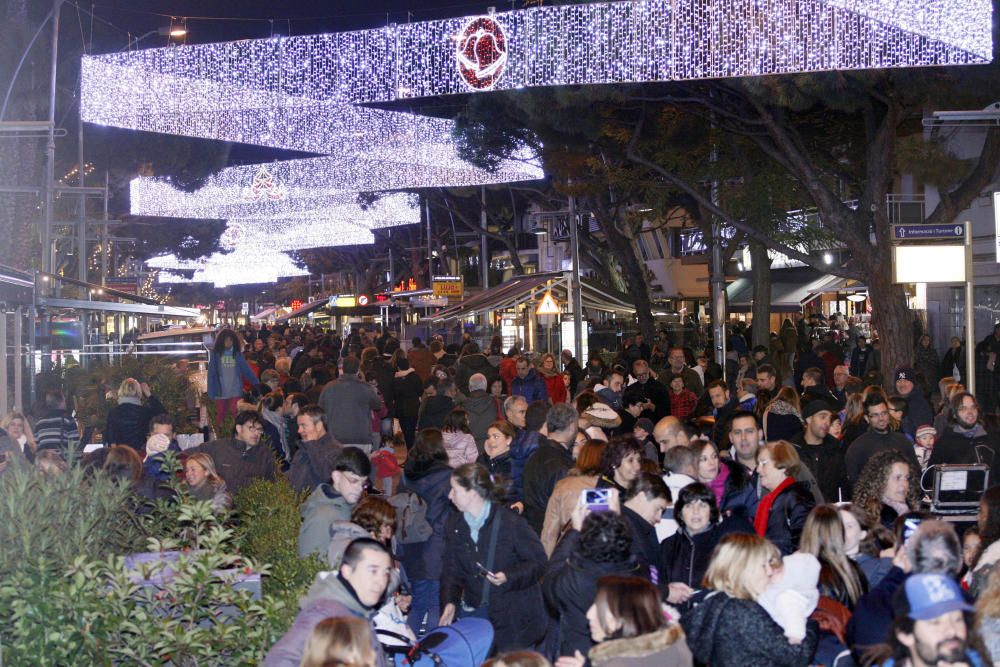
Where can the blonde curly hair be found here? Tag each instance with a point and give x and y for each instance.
(871, 482)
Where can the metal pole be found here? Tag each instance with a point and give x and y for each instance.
(32, 347)
(430, 250)
(19, 359)
(50, 148)
(4, 380)
(81, 239)
(970, 336)
(484, 259)
(575, 286)
(105, 244)
(718, 298)
(484, 254)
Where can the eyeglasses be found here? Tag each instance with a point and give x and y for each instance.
(877, 415)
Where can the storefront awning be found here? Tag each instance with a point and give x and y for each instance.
(126, 308)
(530, 288)
(264, 314)
(304, 310)
(790, 289)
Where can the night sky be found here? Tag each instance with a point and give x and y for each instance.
(224, 20)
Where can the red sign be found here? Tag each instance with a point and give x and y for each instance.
(405, 286)
(296, 304)
(362, 300)
(381, 298)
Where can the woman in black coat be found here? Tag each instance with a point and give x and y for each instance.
(599, 544)
(782, 513)
(685, 554)
(407, 389)
(726, 627)
(128, 422)
(426, 473)
(493, 563)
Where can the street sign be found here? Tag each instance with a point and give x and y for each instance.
(548, 305)
(362, 300)
(927, 232)
(449, 286)
(345, 301)
(426, 301)
(245, 308)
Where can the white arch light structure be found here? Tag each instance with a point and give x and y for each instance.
(315, 93)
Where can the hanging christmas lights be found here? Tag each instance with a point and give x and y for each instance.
(309, 93)
(647, 40)
(242, 267)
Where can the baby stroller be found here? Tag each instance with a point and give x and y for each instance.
(464, 643)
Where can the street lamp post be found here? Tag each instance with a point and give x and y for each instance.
(575, 287)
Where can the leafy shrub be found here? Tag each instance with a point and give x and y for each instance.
(87, 389)
(57, 518)
(270, 534)
(67, 595)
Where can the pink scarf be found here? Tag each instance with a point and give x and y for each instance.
(718, 485)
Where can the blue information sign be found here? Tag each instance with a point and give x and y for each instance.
(927, 232)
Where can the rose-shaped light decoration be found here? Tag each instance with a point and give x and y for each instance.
(481, 53)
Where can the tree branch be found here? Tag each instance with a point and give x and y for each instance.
(707, 204)
(983, 174)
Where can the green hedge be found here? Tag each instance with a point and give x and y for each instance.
(67, 597)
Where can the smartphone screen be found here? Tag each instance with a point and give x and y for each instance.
(596, 500)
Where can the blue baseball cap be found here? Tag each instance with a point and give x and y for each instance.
(933, 595)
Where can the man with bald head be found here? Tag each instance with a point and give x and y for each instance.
(670, 433)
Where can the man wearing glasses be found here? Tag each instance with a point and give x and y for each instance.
(333, 502)
(879, 437)
(239, 460)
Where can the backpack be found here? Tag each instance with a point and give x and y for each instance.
(464, 643)
(411, 518)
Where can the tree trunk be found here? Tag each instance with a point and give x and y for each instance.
(892, 320)
(761, 294)
(634, 268)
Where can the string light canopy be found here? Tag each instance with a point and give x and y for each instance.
(311, 93)
(242, 267)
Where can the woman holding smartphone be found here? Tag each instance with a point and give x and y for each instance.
(493, 562)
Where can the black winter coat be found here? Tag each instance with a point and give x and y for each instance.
(433, 410)
(516, 609)
(471, 364)
(728, 632)
(384, 376)
(423, 560)
(128, 424)
(570, 586)
(788, 515)
(645, 545)
(546, 466)
(685, 557)
(955, 447)
(407, 390)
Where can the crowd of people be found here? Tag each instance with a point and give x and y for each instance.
(642, 508)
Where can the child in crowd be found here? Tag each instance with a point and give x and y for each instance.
(837, 427)
(682, 401)
(926, 436)
(970, 548)
(793, 594)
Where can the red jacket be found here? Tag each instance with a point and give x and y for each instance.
(555, 387)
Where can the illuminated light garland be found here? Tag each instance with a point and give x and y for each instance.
(242, 267)
(319, 183)
(303, 92)
(646, 40)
